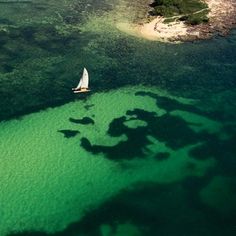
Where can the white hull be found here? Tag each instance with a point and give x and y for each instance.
(81, 91)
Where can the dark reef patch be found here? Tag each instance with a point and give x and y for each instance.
(28, 33)
(191, 166)
(224, 152)
(69, 133)
(5, 21)
(123, 150)
(155, 209)
(166, 103)
(171, 130)
(117, 127)
(5, 68)
(87, 107)
(161, 156)
(169, 105)
(83, 121)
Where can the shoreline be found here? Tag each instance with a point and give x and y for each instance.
(222, 18)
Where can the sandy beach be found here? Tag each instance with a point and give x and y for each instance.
(222, 17)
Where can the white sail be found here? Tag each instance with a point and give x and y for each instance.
(83, 83)
(85, 79)
(79, 84)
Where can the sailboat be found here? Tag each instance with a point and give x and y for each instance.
(83, 83)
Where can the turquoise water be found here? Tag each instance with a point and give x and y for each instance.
(149, 151)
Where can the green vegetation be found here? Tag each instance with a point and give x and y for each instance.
(198, 18)
(191, 11)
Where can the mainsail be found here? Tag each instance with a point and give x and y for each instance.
(84, 81)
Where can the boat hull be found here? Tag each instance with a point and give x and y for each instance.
(81, 91)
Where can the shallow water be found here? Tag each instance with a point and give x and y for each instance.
(149, 151)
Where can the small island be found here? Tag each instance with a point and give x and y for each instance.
(184, 20)
(192, 12)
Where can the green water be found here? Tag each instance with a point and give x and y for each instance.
(149, 151)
